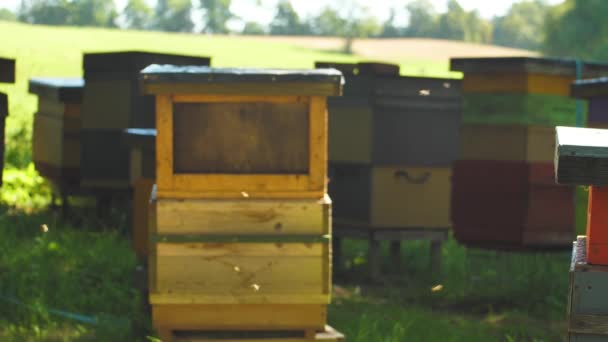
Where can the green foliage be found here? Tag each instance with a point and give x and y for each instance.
(137, 15)
(458, 24)
(522, 26)
(24, 189)
(100, 13)
(328, 23)
(422, 19)
(173, 16)
(287, 21)
(7, 15)
(217, 14)
(253, 28)
(577, 28)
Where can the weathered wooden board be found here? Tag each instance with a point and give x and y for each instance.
(535, 65)
(240, 316)
(171, 79)
(244, 217)
(587, 311)
(509, 82)
(241, 138)
(7, 70)
(519, 109)
(581, 156)
(391, 197)
(230, 273)
(597, 226)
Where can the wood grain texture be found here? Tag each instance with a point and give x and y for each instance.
(317, 139)
(240, 317)
(238, 194)
(241, 138)
(164, 143)
(246, 216)
(226, 271)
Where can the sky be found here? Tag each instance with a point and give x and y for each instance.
(249, 10)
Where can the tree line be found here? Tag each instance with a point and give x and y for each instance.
(528, 24)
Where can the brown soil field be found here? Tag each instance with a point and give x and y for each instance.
(401, 48)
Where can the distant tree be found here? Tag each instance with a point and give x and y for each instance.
(453, 22)
(46, 12)
(522, 26)
(477, 29)
(217, 13)
(6, 15)
(286, 21)
(329, 23)
(93, 13)
(137, 15)
(577, 28)
(253, 29)
(423, 19)
(173, 16)
(389, 28)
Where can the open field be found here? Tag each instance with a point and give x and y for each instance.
(86, 267)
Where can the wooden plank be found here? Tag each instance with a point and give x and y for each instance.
(202, 98)
(493, 142)
(240, 317)
(410, 197)
(581, 156)
(286, 88)
(233, 270)
(164, 143)
(236, 194)
(222, 238)
(246, 216)
(188, 298)
(318, 144)
(141, 195)
(517, 83)
(519, 109)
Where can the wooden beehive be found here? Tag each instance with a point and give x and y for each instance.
(56, 132)
(391, 197)
(587, 310)
(385, 119)
(142, 145)
(228, 264)
(7, 75)
(105, 158)
(238, 133)
(7, 70)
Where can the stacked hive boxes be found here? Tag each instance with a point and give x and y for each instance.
(113, 102)
(392, 140)
(504, 193)
(7, 75)
(581, 157)
(56, 132)
(240, 220)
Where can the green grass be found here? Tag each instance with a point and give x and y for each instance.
(87, 267)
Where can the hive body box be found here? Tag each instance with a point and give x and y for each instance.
(240, 200)
(142, 146)
(391, 142)
(114, 75)
(56, 132)
(595, 91)
(587, 309)
(510, 106)
(7, 75)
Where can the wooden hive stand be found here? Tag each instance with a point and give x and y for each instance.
(510, 108)
(392, 140)
(105, 158)
(240, 203)
(7, 75)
